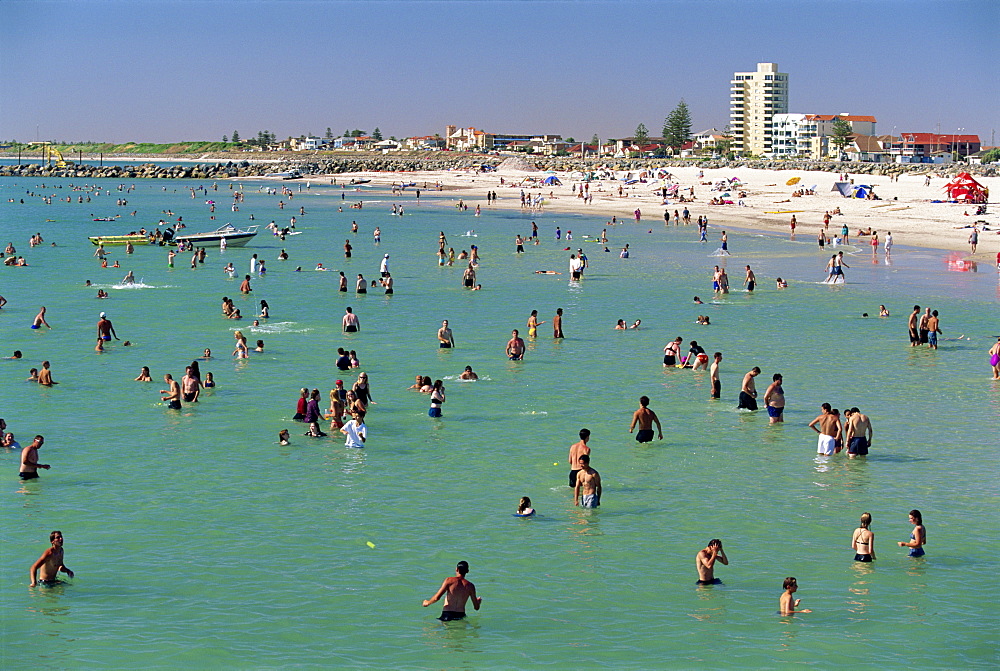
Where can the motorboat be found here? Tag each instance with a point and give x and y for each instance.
(234, 237)
(287, 174)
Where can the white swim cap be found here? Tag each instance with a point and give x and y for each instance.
(103, 315)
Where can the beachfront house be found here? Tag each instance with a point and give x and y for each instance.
(424, 143)
(708, 140)
(307, 143)
(866, 149)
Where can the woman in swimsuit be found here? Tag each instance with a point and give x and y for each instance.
(863, 541)
(918, 537)
(437, 398)
(362, 389)
(671, 352)
(533, 324)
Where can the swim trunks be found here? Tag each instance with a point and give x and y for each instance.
(590, 501)
(716, 389)
(715, 286)
(107, 338)
(572, 477)
(862, 558)
(189, 397)
(26, 475)
(449, 615)
(468, 282)
(350, 328)
(914, 336)
(917, 552)
(444, 345)
(34, 326)
(669, 360)
(825, 445)
(434, 412)
(750, 285)
(774, 412)
(858, 445)
(923, 336)
(362, 291)
(713, 581)
(388, 292)
(174, 405)
(932, 338)
(575, 274)
(644, 436)
(747, 402)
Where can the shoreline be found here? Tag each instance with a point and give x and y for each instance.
(769, 206)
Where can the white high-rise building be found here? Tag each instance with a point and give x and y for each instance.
(754, 99)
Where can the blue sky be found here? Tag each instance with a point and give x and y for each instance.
(159, 71)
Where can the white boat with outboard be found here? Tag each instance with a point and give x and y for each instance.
(287, 174)
(234, 237)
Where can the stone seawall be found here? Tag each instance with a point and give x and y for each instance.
(381, 163)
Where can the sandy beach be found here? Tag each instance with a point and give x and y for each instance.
(905, 208)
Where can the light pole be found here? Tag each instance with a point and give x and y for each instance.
(956, 142)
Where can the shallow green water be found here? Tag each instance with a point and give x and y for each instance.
(198, 541)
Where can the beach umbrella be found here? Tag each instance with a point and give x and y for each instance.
(793, 181)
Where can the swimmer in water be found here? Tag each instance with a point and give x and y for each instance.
(283, 437)
(144, 375)
(524, 508)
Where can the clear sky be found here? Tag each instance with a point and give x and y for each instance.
(161, 70)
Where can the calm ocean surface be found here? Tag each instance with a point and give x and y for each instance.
(199, 542)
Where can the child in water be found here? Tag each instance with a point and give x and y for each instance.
(524, 508)
(786, 603)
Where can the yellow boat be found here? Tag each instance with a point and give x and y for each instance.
(119, 240)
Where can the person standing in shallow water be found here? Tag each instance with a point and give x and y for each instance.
(645, 418)
(46, 570)
(748, 391)
(863, 540)
(918, 537)
(705, 560)
(557, 331)
(774, 400)
(456, 591)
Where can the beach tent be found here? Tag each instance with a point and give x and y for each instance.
(843, 187)
(966, 189)
(551, 180)
(861, 190)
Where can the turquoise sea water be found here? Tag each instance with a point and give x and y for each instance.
(199, 542)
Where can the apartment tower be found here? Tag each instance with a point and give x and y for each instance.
(754, 99)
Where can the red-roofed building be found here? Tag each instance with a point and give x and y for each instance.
(922, 145)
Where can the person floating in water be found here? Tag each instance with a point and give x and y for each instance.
(457, 590)
(524, 508)
(705, 560)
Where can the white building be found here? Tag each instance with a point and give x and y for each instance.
(754, 99)
(808, 135)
